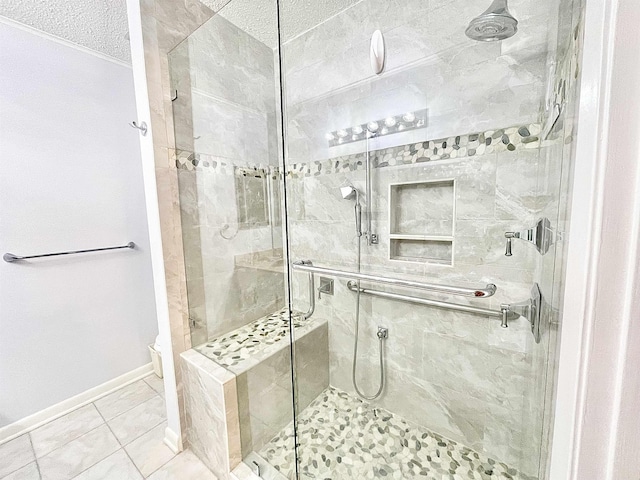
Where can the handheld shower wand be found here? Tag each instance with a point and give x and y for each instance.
(349, 192)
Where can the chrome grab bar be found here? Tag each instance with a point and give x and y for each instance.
(530, 309)
(307, 266)
(10, 257)
(353, 286)
(312, 293)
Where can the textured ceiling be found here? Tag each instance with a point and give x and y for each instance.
(99, 25)
(257, 17)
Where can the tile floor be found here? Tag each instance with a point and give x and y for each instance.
(118, 437)
(341, 437)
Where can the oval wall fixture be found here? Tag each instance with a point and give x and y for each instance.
(377, 53)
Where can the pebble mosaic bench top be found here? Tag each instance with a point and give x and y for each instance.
(247, 346)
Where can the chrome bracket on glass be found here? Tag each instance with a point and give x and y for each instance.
(530, 309)
(541, 235)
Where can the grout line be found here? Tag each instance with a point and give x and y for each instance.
(64, 445)
(164, 419)
(175, 455)
(105, 422)
(134, 463)
(34, 455)
(108, 456)
(137, 405)
(122, 448)
(22, 466)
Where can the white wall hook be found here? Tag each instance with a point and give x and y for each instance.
(142, 127)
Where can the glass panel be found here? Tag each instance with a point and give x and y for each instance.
(414, 173)
(451, 145)
(227, 122)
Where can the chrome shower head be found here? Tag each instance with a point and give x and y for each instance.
(348, 192)
(494, 24)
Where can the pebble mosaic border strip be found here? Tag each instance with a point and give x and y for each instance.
(341, 437)
(471, 145)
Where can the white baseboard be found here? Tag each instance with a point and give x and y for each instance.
(13, 430)
(173, 440)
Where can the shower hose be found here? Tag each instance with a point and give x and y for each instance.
(355, 343)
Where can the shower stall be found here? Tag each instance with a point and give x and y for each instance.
(373, 197)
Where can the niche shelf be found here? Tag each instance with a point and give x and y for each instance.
(421, 221)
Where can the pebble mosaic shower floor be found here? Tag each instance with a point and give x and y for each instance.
(342, 437)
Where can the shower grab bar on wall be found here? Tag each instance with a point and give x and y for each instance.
(312, 293)
(530, 309)
(307, 266)
(353, 286)
(10, 257)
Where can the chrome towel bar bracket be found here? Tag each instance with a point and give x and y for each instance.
(10, 257)
(530, 309)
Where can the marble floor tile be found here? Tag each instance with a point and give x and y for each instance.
(124, 399)
(76, 456)
(185, 466)
(115, 467)
(156, 383)
(55, 434)
(149, 451)
(30, 472)
(138, 421)
(15, 454)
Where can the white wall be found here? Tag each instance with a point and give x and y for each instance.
(70, 177)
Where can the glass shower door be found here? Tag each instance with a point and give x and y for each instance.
(399, 181)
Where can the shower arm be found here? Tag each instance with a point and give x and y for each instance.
(498, 7)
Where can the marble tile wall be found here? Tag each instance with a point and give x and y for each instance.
(465, 86)
(451, 372)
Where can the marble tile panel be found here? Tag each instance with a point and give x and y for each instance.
(139, 420)
(29, 472)
(117, 465)
(516, 187)
(64, 429)
(124, 399)
(149, 451)
(490, 375)
(15, 454)
(76, 456)
(212, 418)
(185, 466)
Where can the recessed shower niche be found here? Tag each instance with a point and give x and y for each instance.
(421, 221)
